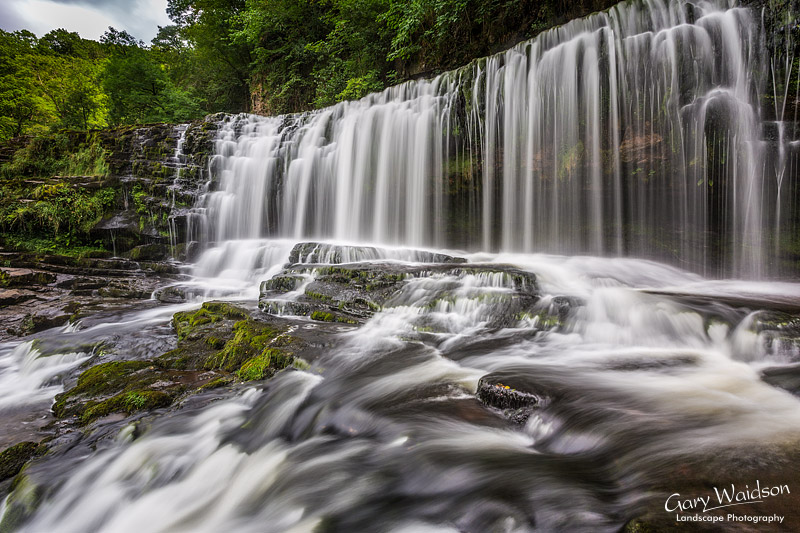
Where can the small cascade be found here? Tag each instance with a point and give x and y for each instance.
(29, 377)
(178, 161)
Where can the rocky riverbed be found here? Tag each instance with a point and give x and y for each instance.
(136, 354)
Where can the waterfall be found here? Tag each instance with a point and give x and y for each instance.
(636, 131)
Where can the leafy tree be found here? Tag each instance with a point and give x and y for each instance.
(210, 27)
(71, 86)
(138, 86)
(21, 107)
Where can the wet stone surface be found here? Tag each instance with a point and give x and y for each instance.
(352, 293)
(41, 292)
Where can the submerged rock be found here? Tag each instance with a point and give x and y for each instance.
(516, 400)
(353, 293)
(13, 458)
(780, 332)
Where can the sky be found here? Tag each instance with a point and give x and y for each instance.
(90, 18)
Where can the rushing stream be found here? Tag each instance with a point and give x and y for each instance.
(384, 432)
(642, 370)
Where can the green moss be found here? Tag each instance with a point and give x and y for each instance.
(21, 503)
(215, 342)
(300, 364)
(322, 316)
(250, 339)
(216, 383)
(186, 322)
(225, 309)
(12, 459)
(264, 365)
(541, 320)
(107, 376)
(100, 380)
(127, 402)
(318, 296)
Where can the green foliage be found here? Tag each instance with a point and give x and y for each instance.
(50, 195)
(141, 91)
(250, 55)
(50, 82)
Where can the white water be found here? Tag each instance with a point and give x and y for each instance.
(27, 377)
(390, 416)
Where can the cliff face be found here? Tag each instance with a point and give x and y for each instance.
(122, 192)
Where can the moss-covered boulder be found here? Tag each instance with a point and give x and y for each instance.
(117, 387)
(13, 458)
(352, 293)
(223, 337)
(218, 344)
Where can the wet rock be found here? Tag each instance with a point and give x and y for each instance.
(283, 283)
(149, 252)
(73, 286)
(12, 459)
(171, 295)
(352, 293)
(563, 306)
(15, 296)
(347, 294)
(127, 289)
(785, 377)
(650, 364)
(517, 404)
(50, 318)
(780, 331)
(18, 277)
(276, 306)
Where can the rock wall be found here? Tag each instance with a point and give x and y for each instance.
(141, 183)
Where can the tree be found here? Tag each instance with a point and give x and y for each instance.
(139, 87)
(21, 106)
(210, 26)
(72, 88)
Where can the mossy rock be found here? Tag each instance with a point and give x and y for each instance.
(128, 403)
(187, 322)
(102, 389)
(250, 339)
(223, 337)
(324, 316)
(265, 365)
(13, 458)
(217, 383)
(106, 377)
(218, 336)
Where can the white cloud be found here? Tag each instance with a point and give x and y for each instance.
(90, 19)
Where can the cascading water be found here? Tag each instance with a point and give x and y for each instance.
(631, 132)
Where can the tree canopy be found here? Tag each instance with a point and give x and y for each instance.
(263, 56)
